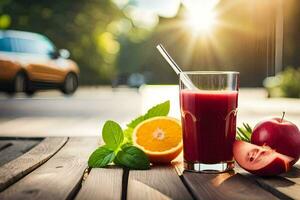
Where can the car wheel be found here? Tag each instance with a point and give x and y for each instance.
(70, 84)
(30, 90)
(19, 84)
(30, 93)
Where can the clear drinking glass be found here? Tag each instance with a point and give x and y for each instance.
(208, 115)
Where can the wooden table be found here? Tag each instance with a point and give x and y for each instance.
(56, 168)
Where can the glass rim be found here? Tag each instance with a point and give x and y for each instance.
(209, 72)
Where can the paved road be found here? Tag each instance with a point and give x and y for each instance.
(52, 114)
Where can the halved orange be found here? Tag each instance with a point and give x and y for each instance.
(160, 138)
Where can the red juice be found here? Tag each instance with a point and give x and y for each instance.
(209, 125)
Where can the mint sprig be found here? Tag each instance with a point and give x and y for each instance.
(118, 146)
(133, 158)
(161, 109)
(115, 150)
(135, 122)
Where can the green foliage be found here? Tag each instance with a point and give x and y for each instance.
(118, 146)
(158, 110)
(4, 21)
(113, 137)
(104, 41)
(79, 26)
(285, 84)
(133, 158)
(136, 121)
(161, 109)
(128, 134)
(112, 134)
(244, 133)
(290, 83)
(101, 157)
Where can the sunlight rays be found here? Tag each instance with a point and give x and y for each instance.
(203, 31)
(201, 21)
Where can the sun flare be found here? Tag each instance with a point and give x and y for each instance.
(201, 21)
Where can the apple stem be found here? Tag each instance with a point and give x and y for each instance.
(283, 114)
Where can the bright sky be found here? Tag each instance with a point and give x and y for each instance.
(145, 13)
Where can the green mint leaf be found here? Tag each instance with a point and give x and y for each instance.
(158, 110)
(128, 134)
(101, 157)
(128, 144)
(133, 158)
(117, 162)
(161, 109)
(135, 122)
(112, 134)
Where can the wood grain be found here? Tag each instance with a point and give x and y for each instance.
(285, 186)
(59, 177)
(102, 183)
(21, 166)
(4, 144)
(161, 182)
(224, 186)
(11, 149)
(293, 175)
(280, 187)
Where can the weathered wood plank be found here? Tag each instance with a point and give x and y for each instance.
(102, 183)
(21, 166)
(161, 182)
(59, 177)
(224, 186)
(293, 175)
(283, 186)
(4, 144)
(15, 148)
(280, 187)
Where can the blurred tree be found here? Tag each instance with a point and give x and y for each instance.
(242, 40)
(79, 26)
(110, 38)
(291, 47)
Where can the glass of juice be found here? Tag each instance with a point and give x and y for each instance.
(208, 115)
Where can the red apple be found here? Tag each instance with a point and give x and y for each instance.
(279, 134)
(260, 160)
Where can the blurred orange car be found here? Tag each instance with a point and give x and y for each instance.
(30, 62)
